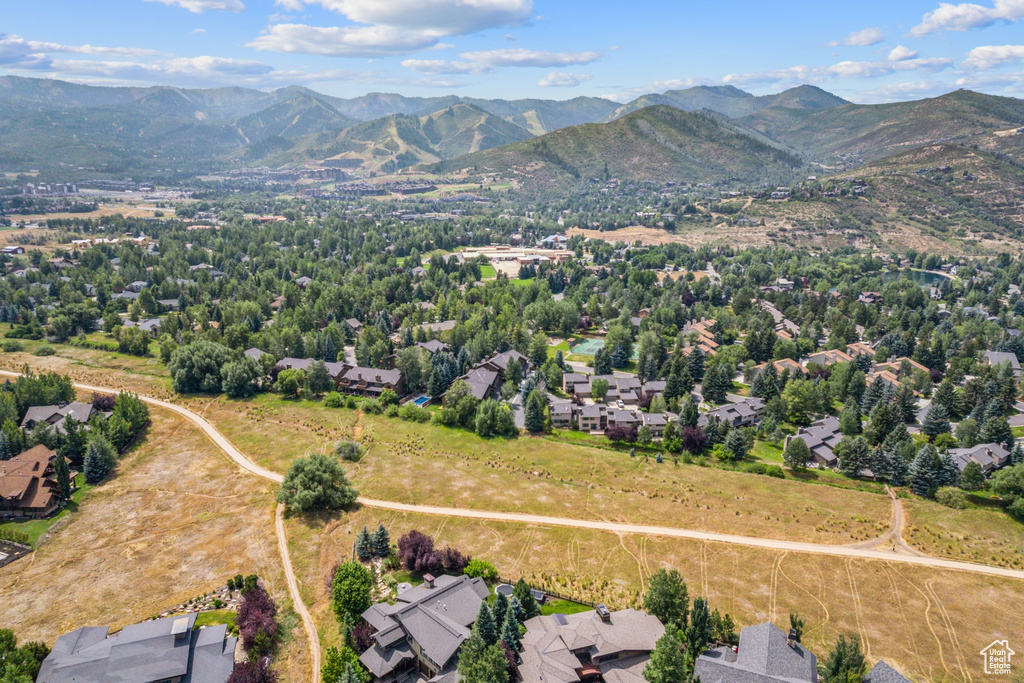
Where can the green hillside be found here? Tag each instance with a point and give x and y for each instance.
(658, 143)
(733, 102)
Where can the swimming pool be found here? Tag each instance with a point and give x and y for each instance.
(422, 400)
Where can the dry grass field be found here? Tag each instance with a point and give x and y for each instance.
(176, 521)
(426, 464)
(982, 535)
(930, 624)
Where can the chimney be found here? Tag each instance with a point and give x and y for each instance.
(791, 639)
(428, 580)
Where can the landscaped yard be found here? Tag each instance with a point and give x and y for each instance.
(35, 528)
(217, 617)
(563, 607)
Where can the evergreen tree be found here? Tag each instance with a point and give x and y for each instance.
(619, 357)
(100, 459)
(695, 363)
(73, 442)
(945, 396)
(500, 609)
(525, 598)
(948, 473)
(364, 551)
(510, 632)
(881, 423)
(896, 469)
(603, 362)
(6, 451)
(923, 472)
(872, 396)
(849, 419)
(997, 430)
(535, 412)
(854, 455)
(381, 542)
(60, 466)
(690, 415)
(516, 608)
(936, 421)
(845, 664)
(766, 383)
(736, 443)
(700, 630)
(484, 625)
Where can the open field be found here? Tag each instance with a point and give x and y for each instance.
(131, 210)
(176, 520)
(427, 464)
(986, 535)
(929, 623)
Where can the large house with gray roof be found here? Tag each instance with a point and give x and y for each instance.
(167, 650)
(57, 415)
(765, 655)
(418, 638)
(596, 645)
(821, 437)
(991, 457)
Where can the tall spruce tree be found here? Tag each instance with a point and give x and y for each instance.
(484, 625)
(381, 541)
(63, 472)
(936, 421)
(364, 551)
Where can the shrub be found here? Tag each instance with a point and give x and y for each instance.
(256, 622)
(196, 367)
(416, 553)
(334, 400)
(757, 468)
(775, 471)
(388, 397)
(44, 350)
(350, 590)
(316, 483)
(413, 413)
(252, 672)
(11, 346)
(1016, 509)
(482, 569)
(372, 406)
(348, 450)
(391, 410)
(952, 497)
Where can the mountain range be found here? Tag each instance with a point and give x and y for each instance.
(695, 134)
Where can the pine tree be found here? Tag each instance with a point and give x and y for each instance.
(381, 542)
(6, 452)
(695, 363)
(945, 396)
(936, 421)
(500, 608)
(603, 362)
(60, 466)
(516, 609)
(872, 396)
(690, 414)
(923, 472)
(849, 419)
(896, 468)
(535, 412)
(736, 443)
(484, 625)
(100, 458)
(997, 430)
(619, 357)
(364, 551)
(854, 455)
(510, 632)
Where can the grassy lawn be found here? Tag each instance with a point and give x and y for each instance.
(516, 282)
(766, 452)
(217, 617)
(487, 272)
(739, 389)
(563, 607)
(37, 527)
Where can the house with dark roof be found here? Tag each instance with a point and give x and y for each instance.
(991, 457)
(765, 655)
(994, 358)
(746, 413)
(255, 353)
(370, 381)
(356, 326)
(170, 649)
(423, 631)
(28, 484)
(883, 673)
(56, 416)
(596, 645)
(821, 437)
(499, 362)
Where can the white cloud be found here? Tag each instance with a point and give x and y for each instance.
(990, 56)
(902, 91)
(334, 41)
(900, 54)
(966, 16)
(33, 54)
(197, 31)
(441, 66)
(453, 17)
(816, 74)
(561, 79)
(523, 57)
(862, 38)
(200, 6)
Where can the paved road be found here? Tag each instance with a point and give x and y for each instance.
(792, 546)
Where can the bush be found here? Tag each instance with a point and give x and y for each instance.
(372, 406)
(316, 483)
(334, 400)
(11, 346)
(391, 410)
(44, 350)
(416, 553)
(952, 497)
(775, 471)
(256, 623)
(1016, 510)
(757, 468)
(413, 413)
(196, 367)
(348, 450)
(482, 569)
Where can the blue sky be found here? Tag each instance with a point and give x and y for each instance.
(867, 51)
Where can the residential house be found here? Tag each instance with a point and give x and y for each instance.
(483, 383)
(561, 413)
(423, 631)
(991, 457)
(623, 418)
(433, 346)
(821, 437)
(883, 673)
(164, 650)
(499, 362)
(55, 416)
(746, 413)
(370, 381)
(994, 358)
(795, 369)
(870, 298)
(12, 250)
(150, 326)
(858, 349)
(303, 282)
(255, 353)
(137, 286)
(28, 484)
(596, 645)
(765, 655)
(570, 380)
(830, 357)
(593, 418)
(355, 325)
(656, 422)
